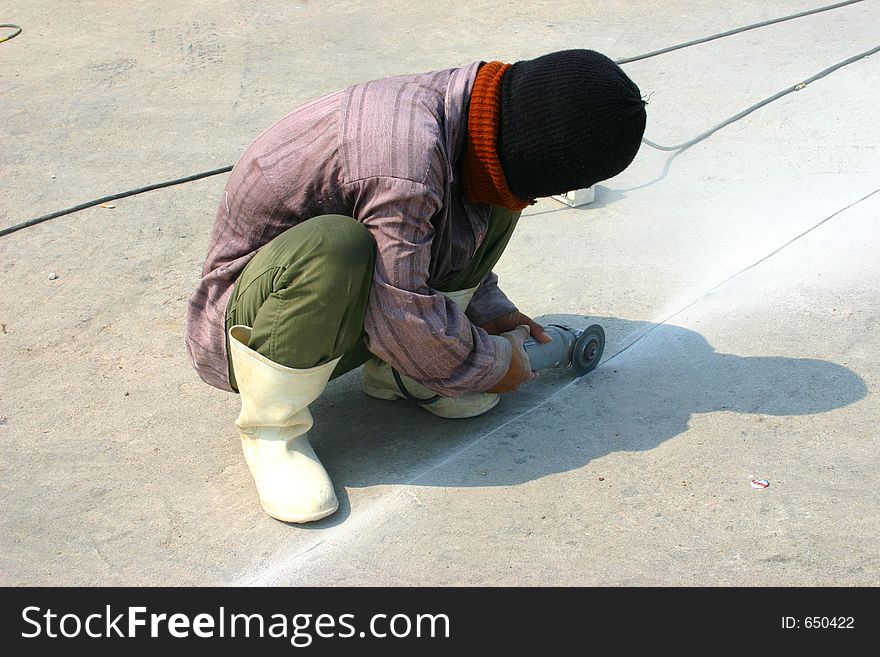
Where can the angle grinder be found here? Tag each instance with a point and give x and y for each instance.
(579, 349)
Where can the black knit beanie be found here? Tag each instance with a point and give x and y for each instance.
(568, 120)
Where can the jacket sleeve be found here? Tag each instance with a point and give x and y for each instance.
(489, 302)
(412, 327)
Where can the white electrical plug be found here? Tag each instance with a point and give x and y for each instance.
(578, 197)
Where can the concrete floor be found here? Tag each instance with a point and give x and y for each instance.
(120, 467)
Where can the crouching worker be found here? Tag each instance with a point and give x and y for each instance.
(362, 229)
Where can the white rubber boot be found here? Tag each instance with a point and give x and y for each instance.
(273, 426)
(379, 382)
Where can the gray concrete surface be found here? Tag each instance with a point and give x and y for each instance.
(120, 467)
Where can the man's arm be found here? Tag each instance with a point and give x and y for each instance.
(489, 302)
(496, 314)
(415, 329)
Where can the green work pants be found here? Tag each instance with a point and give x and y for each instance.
(305, 293)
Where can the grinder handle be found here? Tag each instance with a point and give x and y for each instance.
(556, 353)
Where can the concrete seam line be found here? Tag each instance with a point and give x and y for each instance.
(382, 507)
(386, 503)
(757, 262)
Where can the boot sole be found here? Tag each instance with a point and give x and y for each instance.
(301, 519)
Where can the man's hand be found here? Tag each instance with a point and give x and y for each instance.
(510, 321)
(520, 370)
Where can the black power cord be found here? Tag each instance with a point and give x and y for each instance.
(625, 60)
(113, 197)
(738, 30)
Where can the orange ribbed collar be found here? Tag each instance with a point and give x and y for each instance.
(484, 180)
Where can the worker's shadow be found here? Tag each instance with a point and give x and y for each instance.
(631, 402)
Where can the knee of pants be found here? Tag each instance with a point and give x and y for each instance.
(348, 240)
(329, 255)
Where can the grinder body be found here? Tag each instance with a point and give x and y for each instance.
(580, 350)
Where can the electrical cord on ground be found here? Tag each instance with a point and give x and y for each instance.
(736, 117)
(738, 30)
(114, 197)
(10, 36)
(213, 172)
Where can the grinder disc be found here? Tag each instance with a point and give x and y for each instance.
(588, 350)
